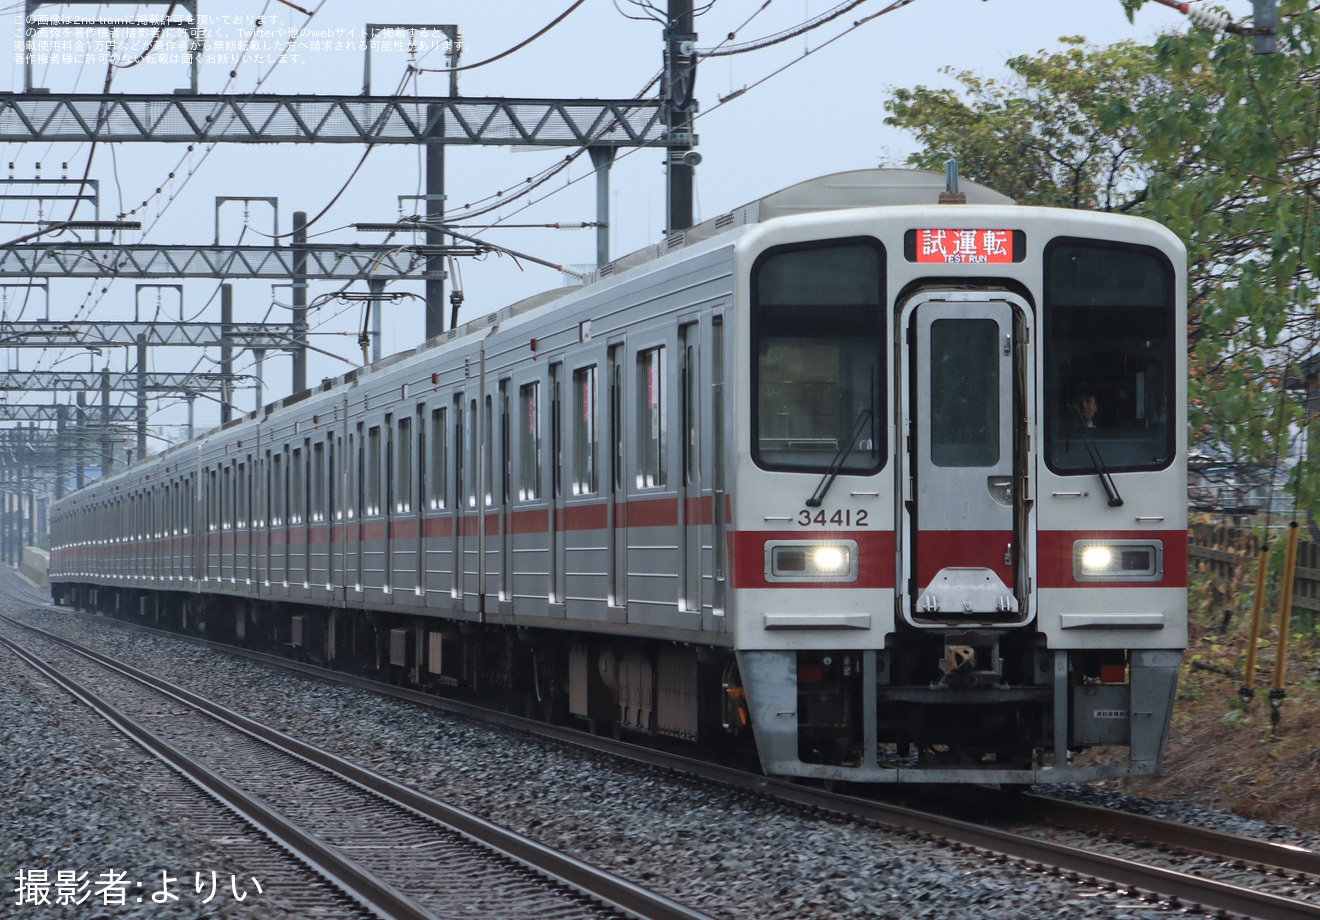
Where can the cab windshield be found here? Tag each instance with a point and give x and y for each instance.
(1109, 357)
(818, 358)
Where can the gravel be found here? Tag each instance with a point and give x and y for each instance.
(93, 826)
(727, 853)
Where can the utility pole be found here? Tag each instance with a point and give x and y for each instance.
(602, 158)
(435, 214)
(435, 197)
(107, 443)
(679, 97)
(226, 355)
(1265, 26)
(299, 301)
(80, 472)
(142, 397)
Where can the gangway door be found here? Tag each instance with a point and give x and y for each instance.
(962, 459)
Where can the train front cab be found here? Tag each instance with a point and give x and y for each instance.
(942, 572)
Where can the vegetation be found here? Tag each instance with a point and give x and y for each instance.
(1229, 752)
(1196, 131)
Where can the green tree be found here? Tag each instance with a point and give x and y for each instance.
(1196, 131)
(1055, 132)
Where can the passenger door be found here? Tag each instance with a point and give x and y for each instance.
(963, 403)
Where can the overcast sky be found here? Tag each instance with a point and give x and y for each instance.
(823, 113)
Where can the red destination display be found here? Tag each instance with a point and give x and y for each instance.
(970, 246)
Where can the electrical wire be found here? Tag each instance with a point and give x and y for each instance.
(503, 54)
(783, 36)
(502, 198)
(533, 183)
(151, 45)
(89, 305)
(857, 24)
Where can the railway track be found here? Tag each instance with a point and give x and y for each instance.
(1134, 875)
(396, 852)
(1233, 849)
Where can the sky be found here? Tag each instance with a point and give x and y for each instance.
(821, 112)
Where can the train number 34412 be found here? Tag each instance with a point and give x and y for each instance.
(843, 517)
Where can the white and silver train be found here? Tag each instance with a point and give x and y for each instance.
(893, 485)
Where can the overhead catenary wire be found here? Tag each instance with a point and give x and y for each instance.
(503, 54)
(504, 196)
(724, 49)
(91, 300)
(558, 167)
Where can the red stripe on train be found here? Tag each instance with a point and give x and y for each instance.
(1054, 557)
(875, 557)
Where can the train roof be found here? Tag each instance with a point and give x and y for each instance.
(857, 188)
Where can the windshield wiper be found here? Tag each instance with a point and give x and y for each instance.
(1097, 462)
(837, 463)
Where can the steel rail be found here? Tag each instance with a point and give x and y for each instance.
(1123, 873)
(611, 890)
(1252, 850)
(375, 895)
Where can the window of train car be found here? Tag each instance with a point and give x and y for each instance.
(818, 357)
(374, 486)
(297, 486)
(1109, 356)
(243, 496)
(317, 504)
(584, 431)
(439, 476)
(529, 467)
(652, 424)
(964, 392)
(279, 486)
(403, 477)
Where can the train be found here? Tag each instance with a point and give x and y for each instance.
(884, 480)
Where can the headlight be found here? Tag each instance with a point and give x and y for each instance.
(1118, 560)
(811, 560)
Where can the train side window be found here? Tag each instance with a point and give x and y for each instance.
(529, 422)
(1109, 335)
(652, 426)
(318, 482)
(585, 481)
(403, 479)
(243, 494)
(556, 430)
(439, 458)
(421, 459)
(268, 518)
(334, 459)
(387, 500)
(459, 471)
(470, 433)
(488, 437)
(213, 503)
(506, 444)
(298, 487)
(359, 470)
(616, 434)
(278, 489)
(227, 498)
(373, 477)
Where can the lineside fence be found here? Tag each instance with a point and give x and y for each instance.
(1227, 555)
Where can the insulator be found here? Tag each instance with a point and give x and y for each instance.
(1208, 18)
